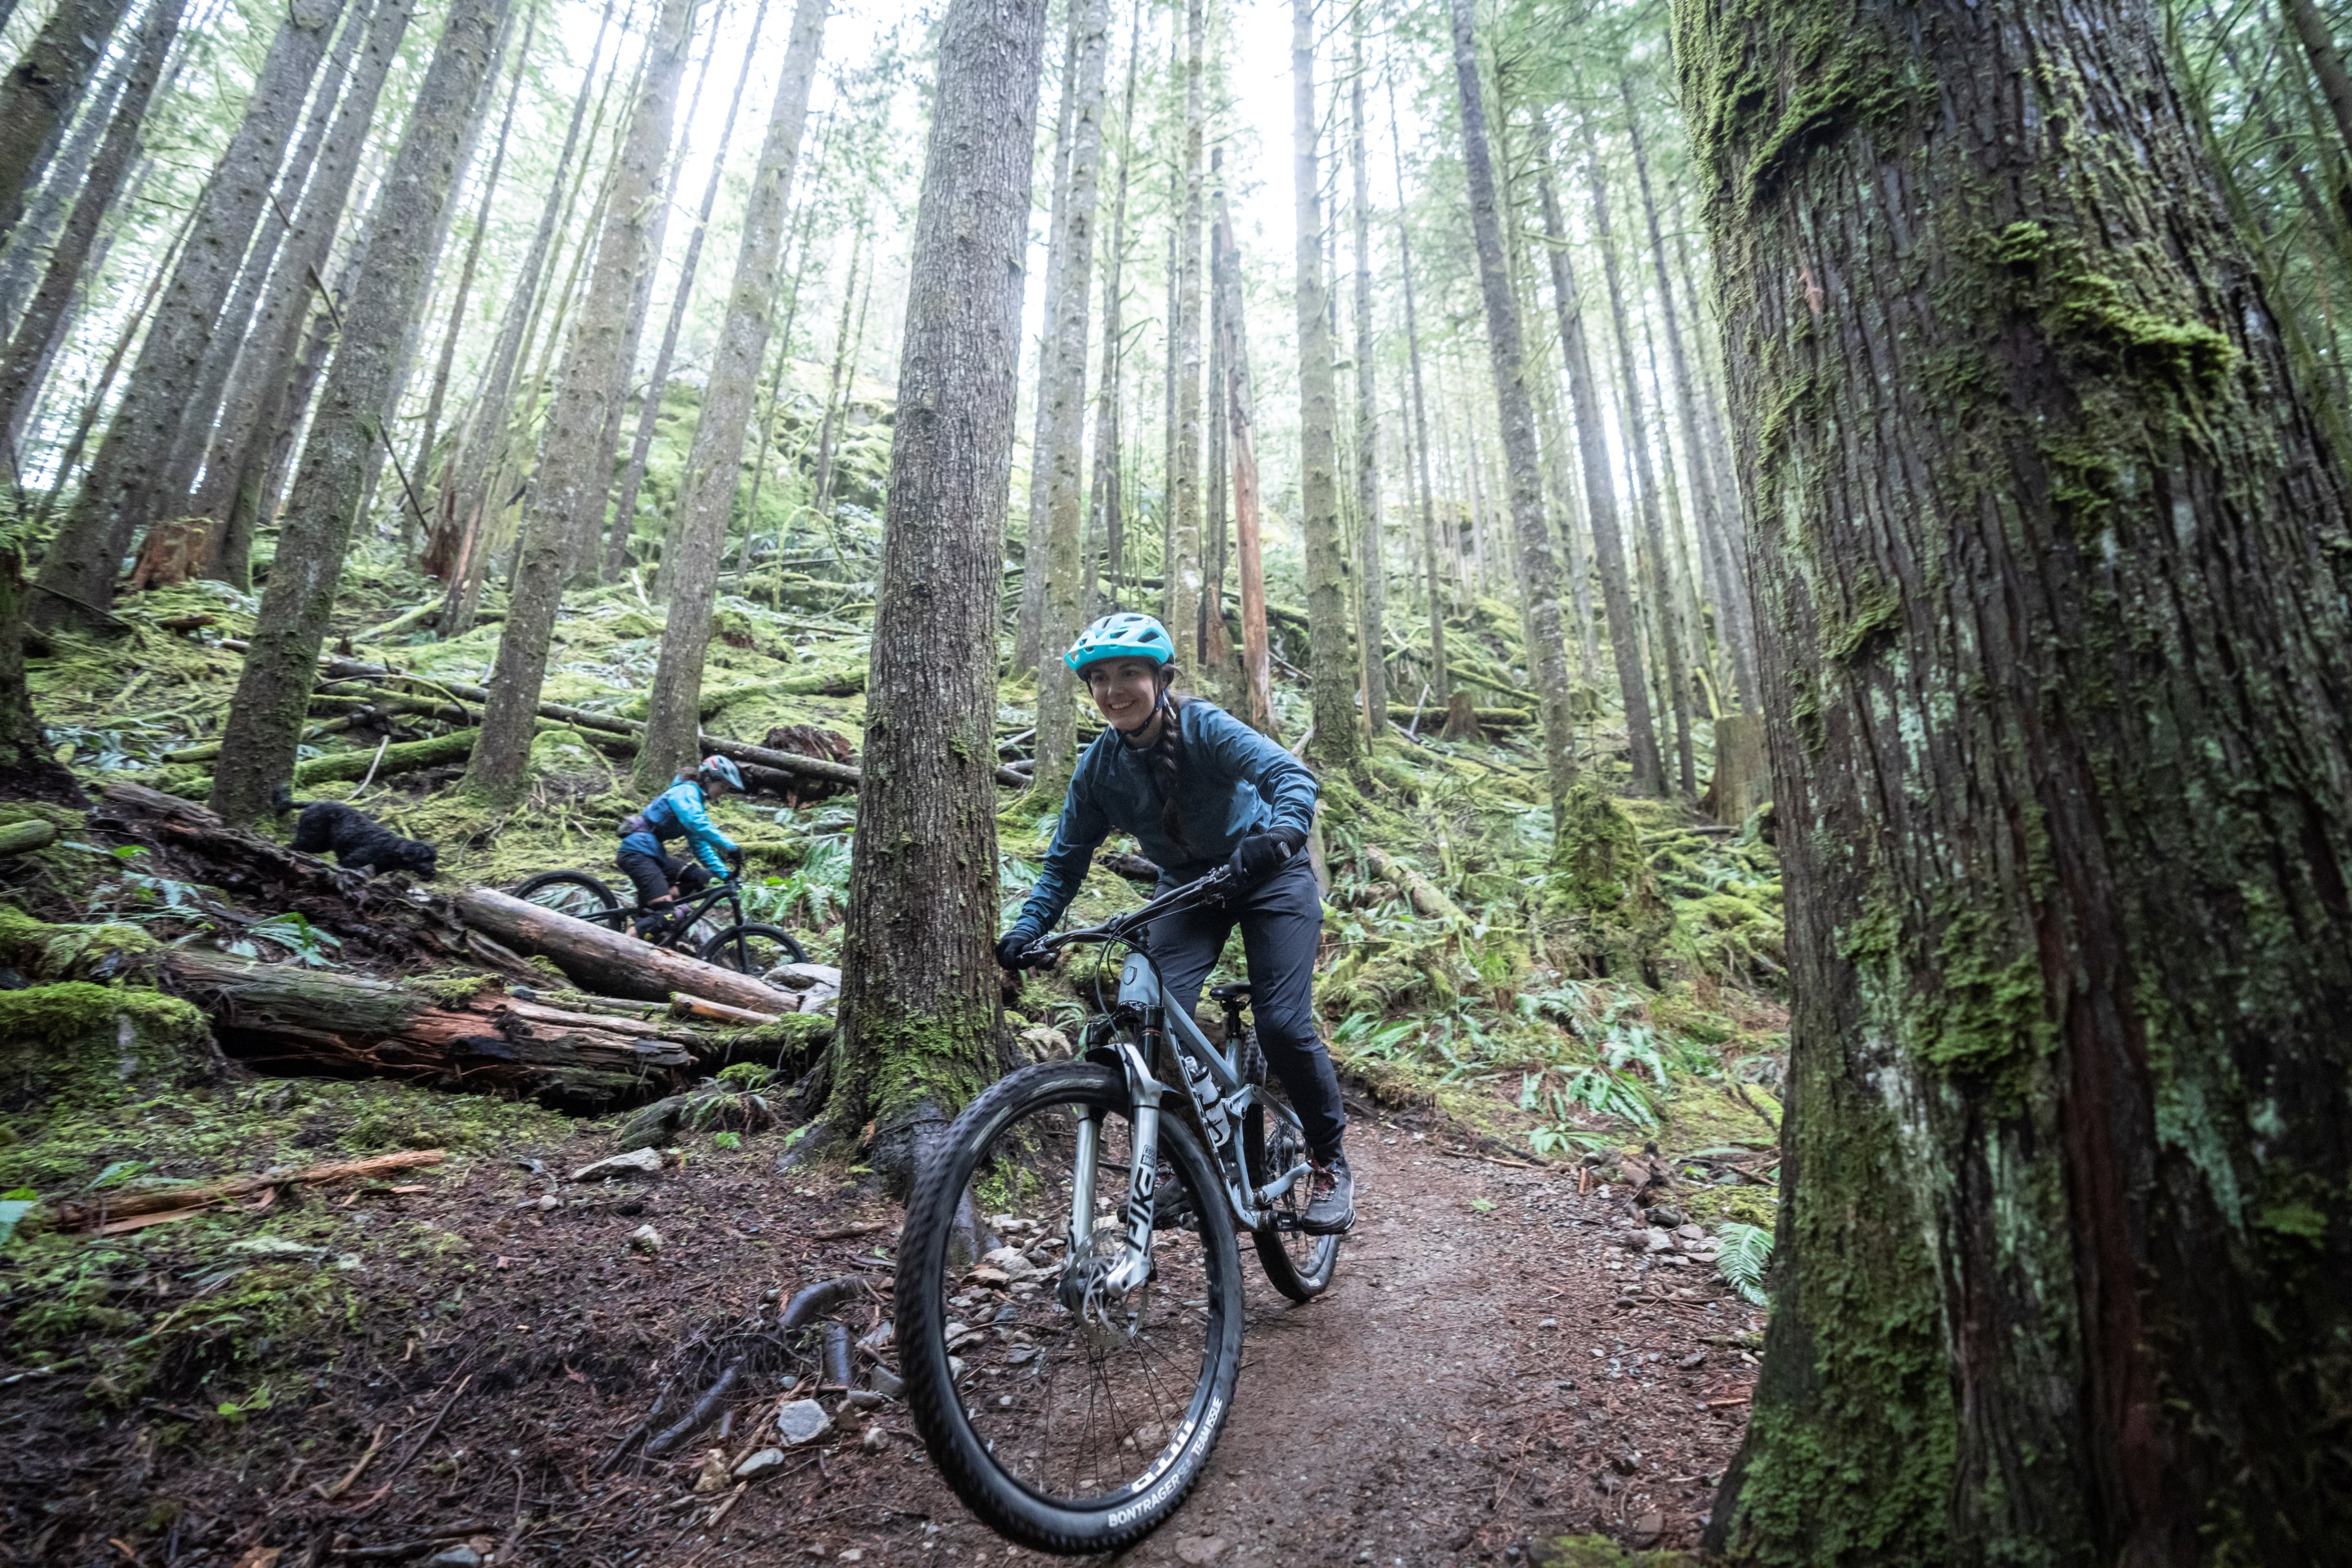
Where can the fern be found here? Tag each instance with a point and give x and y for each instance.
(1747, 1253)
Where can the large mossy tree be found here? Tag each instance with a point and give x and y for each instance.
(919, 1010)
(2052, 563)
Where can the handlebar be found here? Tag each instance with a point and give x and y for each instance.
(1121, 927)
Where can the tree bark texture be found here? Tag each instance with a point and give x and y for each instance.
(576, 471)
(1064, 460)
(632, 477)
(2311, 30)
(28, 767)
(29, 348)
(1736, 629)
(1372, 558)
(1438, 679)
(610, 962)
(265, 719)
(920, 1005)
(39, 94)
(1183, 566)
(707, 489)
(1029, 629)
(1539, 568)
(1331, 661)
(461, 507)
(118, 492)
(1104, 503)
(2052, 560)
(1658, 601)
(1249, 546)
(1601, 496)
(261, 391)
(45, 208)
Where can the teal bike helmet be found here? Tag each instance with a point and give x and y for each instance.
(1123, 634)
(721, 768)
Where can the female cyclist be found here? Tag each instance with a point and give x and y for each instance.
(1199, 789)
(680, 812)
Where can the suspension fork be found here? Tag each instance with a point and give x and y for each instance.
(1143, 1170)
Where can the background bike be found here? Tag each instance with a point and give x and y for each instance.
(1071, 1389)
(692, 923)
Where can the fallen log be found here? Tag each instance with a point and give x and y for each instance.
(613, 963)
(581, 718)
(404, 758)
(19, 836)
(286, 1016)
(1426, 900)
(190, 1197)
(1488, 718)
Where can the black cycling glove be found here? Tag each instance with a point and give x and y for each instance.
(1257, 856)
(1012, 951)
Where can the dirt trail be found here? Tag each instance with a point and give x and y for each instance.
(1487, 1372)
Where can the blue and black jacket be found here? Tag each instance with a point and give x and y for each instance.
(681, 811)
(1236, 782)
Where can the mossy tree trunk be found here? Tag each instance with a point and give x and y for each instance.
(39, 94)
(1182, 569)
(1241, 417)
(1029, 631)
(1105, 503)
(27, 766)
(2059, 712)
(118, 492)
(273, 693)
(565, 517)
(1056, 554)
(707, 487)
(919, 1012)
(1330, 658)
(1538, 567)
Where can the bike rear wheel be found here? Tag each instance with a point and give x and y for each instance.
(1067, 1431)
(573, 893)
(1297, 1263)
(753, 949)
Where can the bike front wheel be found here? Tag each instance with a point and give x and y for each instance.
(1070, 1418)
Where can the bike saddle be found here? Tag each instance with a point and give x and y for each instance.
(1229, 995)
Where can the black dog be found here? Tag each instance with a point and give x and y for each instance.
(355, 837)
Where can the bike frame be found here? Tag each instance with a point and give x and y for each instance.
(1167, 1034)
(699, 903)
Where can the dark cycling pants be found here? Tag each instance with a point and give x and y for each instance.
(1281, 921)
(653, 875)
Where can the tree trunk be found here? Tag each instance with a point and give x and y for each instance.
(68, 176)
(1029, 628)
(1711, 505)
(420, 468)
(464, 506)
(1249, 552)
(919, 1009)
(706, 488)
(1599, 493)
(1438, 678)
(567, 494)
(28, 767)
(1332, 662)
(1104, 504)
(265, 720)
(1183, 566)
(37, 331)
(1063, 459)
(836, 379)
(2311, 30)
(2057, 705)
(1220, 673)
(39, 94)
(1743, 768)
(77, 576)
(1538, 569)
(262, 391)
(624, 506)
(194, 420)
(1372, 573)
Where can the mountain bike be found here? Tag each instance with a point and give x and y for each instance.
(688, 923)
(1072, 1386)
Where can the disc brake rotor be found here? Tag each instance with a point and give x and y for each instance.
(1107, 1317)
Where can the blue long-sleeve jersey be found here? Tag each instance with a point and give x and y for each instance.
(680, 811)
(1236, 782)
